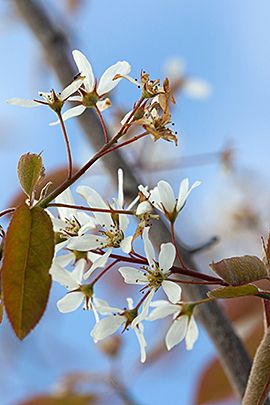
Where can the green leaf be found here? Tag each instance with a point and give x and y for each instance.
(30, 170)
(233, 292)
(240, 270)
(28, 254)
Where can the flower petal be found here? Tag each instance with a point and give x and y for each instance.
(172, 290)
(23, 103)
(177, 332)
(101, 261)
(85, 69)
(70, 302)
(162, 310)
(63, 277)
(71, 88)
(148, 247)
(107, 326)
(66, 198)
(77, 273)
(102, 105)
(184, 193)
(72, 112)
(133, 276)
(167, 197)
(197, 88)
(139, 334)
(145, 308)
(86, 242)
(106, 82)
(126, 244)
(166, 257)
(94, 200)
(144, 208)
(192, 333)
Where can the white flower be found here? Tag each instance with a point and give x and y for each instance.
(155, 275)
(77, 292)
(162, 197)
(183, 326)
(71, 222)
(51, 99)
(117, 317)
(114, 225)
(93, 93)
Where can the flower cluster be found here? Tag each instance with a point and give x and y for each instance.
(87, 242)
(90, 240)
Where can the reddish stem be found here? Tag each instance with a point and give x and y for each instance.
(103, 151)
(106, 136)
(142, 299)
(104, 271)
(174, 269)
(81, 207)
(67, 146)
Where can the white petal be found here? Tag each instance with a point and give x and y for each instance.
(23, 103)
(77, 273)
(70, 302)
(85, 69)
(58, 224)
(72, 112)
(133, 276)
(64, 260)
(86, 242)
(184, 193)
(148, 247)
(126, 244)
(101, 261)
(166, 257)
(172, 290)
(145, 308)
(63, 277)
(139, 333)
(162, 310)
(104, 308)
(94, 200)
(144, 208)
(71, 88)
(76, 98)
(66, 198)
(102, 105)
(177, 332)
(154, 198)
(167, 197)
(107, 326)
(192, 333)
(123, 222)
(106, 82)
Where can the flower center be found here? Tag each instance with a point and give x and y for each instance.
(155, 276)
(72, 228)
(114, 237)
(90, 99)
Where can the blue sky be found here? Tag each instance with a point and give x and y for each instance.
(227, 44)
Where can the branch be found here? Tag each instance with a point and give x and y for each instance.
(55, 45)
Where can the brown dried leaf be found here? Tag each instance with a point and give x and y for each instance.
(240, 270)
